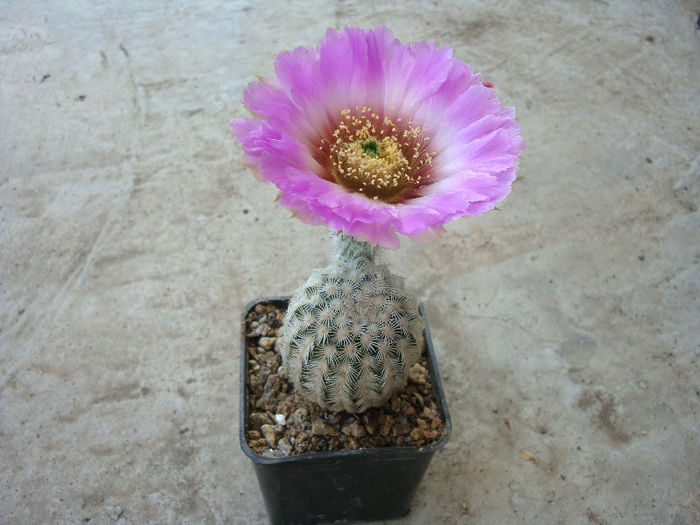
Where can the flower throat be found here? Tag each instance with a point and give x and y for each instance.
(381, 158)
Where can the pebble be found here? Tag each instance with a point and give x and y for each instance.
(417, 433)
(401, 429)
(385, 424)
(353, 428)
(258, 419)
(285, 446)
(270, 432)
(422, 434)
(267, 400)
(321, 428)
(267, 342)
(371, 422)
(299, 416)
(285, 407)
(419, 398)
(418, 374)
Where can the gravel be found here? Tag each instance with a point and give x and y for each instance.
(281, 423)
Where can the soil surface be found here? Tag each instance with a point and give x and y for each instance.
(281, 422)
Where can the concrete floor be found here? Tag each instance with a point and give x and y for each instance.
(566, 324)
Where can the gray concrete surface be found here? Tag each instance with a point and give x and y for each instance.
(131, 237)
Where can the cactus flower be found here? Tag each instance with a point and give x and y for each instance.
(375, 137)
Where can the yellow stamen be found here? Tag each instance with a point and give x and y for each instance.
(382, 158)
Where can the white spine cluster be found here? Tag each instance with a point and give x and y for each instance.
(351, 333)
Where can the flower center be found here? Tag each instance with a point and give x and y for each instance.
(381, 158)
(371, 148)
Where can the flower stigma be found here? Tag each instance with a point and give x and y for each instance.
(381, 158)
(371, 147)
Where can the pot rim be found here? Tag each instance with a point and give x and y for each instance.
(385, 452)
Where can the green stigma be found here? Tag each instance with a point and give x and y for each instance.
(370, 147)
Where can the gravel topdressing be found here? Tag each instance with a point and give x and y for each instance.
(282, 423)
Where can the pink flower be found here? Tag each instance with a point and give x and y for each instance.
(375, 137)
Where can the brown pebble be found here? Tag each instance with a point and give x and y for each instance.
(350, 444)
(267, 342)
(418, 374)
(298, 417)
(417, 433)
(419, 398)
(255, 386)
(285, 407)
(270, 432)
(254, 434)
(401, 429)
(371, 422)
(435, 422)
(267, 400)
(258, 419)
(385, 424)
(321, 428)
(271, 359)
(353, 428)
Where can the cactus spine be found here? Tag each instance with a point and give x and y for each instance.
(351, 333)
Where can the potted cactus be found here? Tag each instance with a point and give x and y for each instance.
(372, 137)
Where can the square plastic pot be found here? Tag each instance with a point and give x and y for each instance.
(352, 485)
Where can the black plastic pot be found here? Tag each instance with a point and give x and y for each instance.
(353, 485)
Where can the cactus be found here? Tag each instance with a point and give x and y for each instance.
(351, 333)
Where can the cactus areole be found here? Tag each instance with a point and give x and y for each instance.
(351, 332)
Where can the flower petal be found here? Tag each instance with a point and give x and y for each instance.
(474, 139)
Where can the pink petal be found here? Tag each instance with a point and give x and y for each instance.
(475, 139)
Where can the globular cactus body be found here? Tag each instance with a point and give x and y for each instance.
(351, 333)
